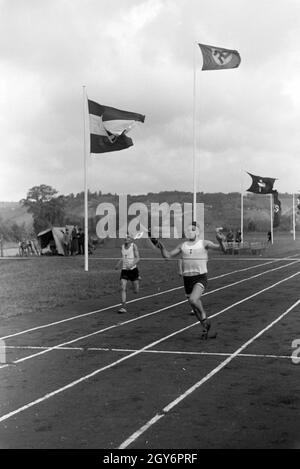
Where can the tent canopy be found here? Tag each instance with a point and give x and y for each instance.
(51, 240)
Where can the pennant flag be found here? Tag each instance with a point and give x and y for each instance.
(217, 58)
(276, 209)
(261, 185)
(109, 126)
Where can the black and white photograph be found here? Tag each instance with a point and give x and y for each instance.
(149, 227)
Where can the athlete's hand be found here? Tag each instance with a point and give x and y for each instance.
(223, 246)
(159, 245)
(219, 235)
(154, 241)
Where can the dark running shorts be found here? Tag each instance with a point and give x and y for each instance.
(131, 275)
(189, 282)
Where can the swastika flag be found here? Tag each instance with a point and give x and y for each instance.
(276, 209)
(217, 58)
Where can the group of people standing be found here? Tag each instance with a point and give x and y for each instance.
(27, 247)
(231, 237)
(73, 241)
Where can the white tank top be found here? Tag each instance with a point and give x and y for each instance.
(127, 257)
(194, 258)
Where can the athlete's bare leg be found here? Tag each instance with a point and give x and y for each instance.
(123, 285)
(136, 286)
(196, 304)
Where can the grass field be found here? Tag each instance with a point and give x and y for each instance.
(77, 374)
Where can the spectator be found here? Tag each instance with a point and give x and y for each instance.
(269, 236)
(66, 242)
(221, 238)
(230, 236)
(30, 249)
(80, 237)
(74, 241)
(52, 247)
(238, 236)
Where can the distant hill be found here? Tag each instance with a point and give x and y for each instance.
(220, 209)
(13, 212)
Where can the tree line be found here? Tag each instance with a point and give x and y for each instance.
(50, 209)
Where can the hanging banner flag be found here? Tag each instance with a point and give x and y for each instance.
(218, 58)
(298, 204)
(261, 185)
(276, 209)
(109, 126)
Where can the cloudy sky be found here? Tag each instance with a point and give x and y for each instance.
(137, 55)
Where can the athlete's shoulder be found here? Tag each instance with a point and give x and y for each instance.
(197, 242)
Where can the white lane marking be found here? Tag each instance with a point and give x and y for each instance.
(197, 385)
(131, 301)
(100, 331)
(111, 365)
(159, 352)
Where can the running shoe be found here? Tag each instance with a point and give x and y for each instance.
(206, 328)
(122, 310)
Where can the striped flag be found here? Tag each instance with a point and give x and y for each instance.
(109, 127)
(217, 58)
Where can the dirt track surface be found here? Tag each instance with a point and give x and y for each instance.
(132, 366)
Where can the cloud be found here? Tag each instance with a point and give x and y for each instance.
(138, 56)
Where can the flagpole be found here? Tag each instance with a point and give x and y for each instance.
(271, 212)
(294, 218)
(85, 156)
(242, 217)
(194, 139)
(242, 209)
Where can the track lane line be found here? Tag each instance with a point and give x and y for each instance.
(131, 355)
(197, 385)
(158, 352)
(79, 316)
(100, 331)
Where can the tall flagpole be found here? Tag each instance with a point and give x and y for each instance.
(242, 209)
(271, 212)
(294, 218)
(242, 217)
(194, 140)
(85, 156)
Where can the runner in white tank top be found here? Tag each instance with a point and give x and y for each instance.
(194, 257)
(128, 256)
(129, 260)
(193, 262)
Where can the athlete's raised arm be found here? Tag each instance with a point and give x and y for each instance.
(214, 246)
(169, 254)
